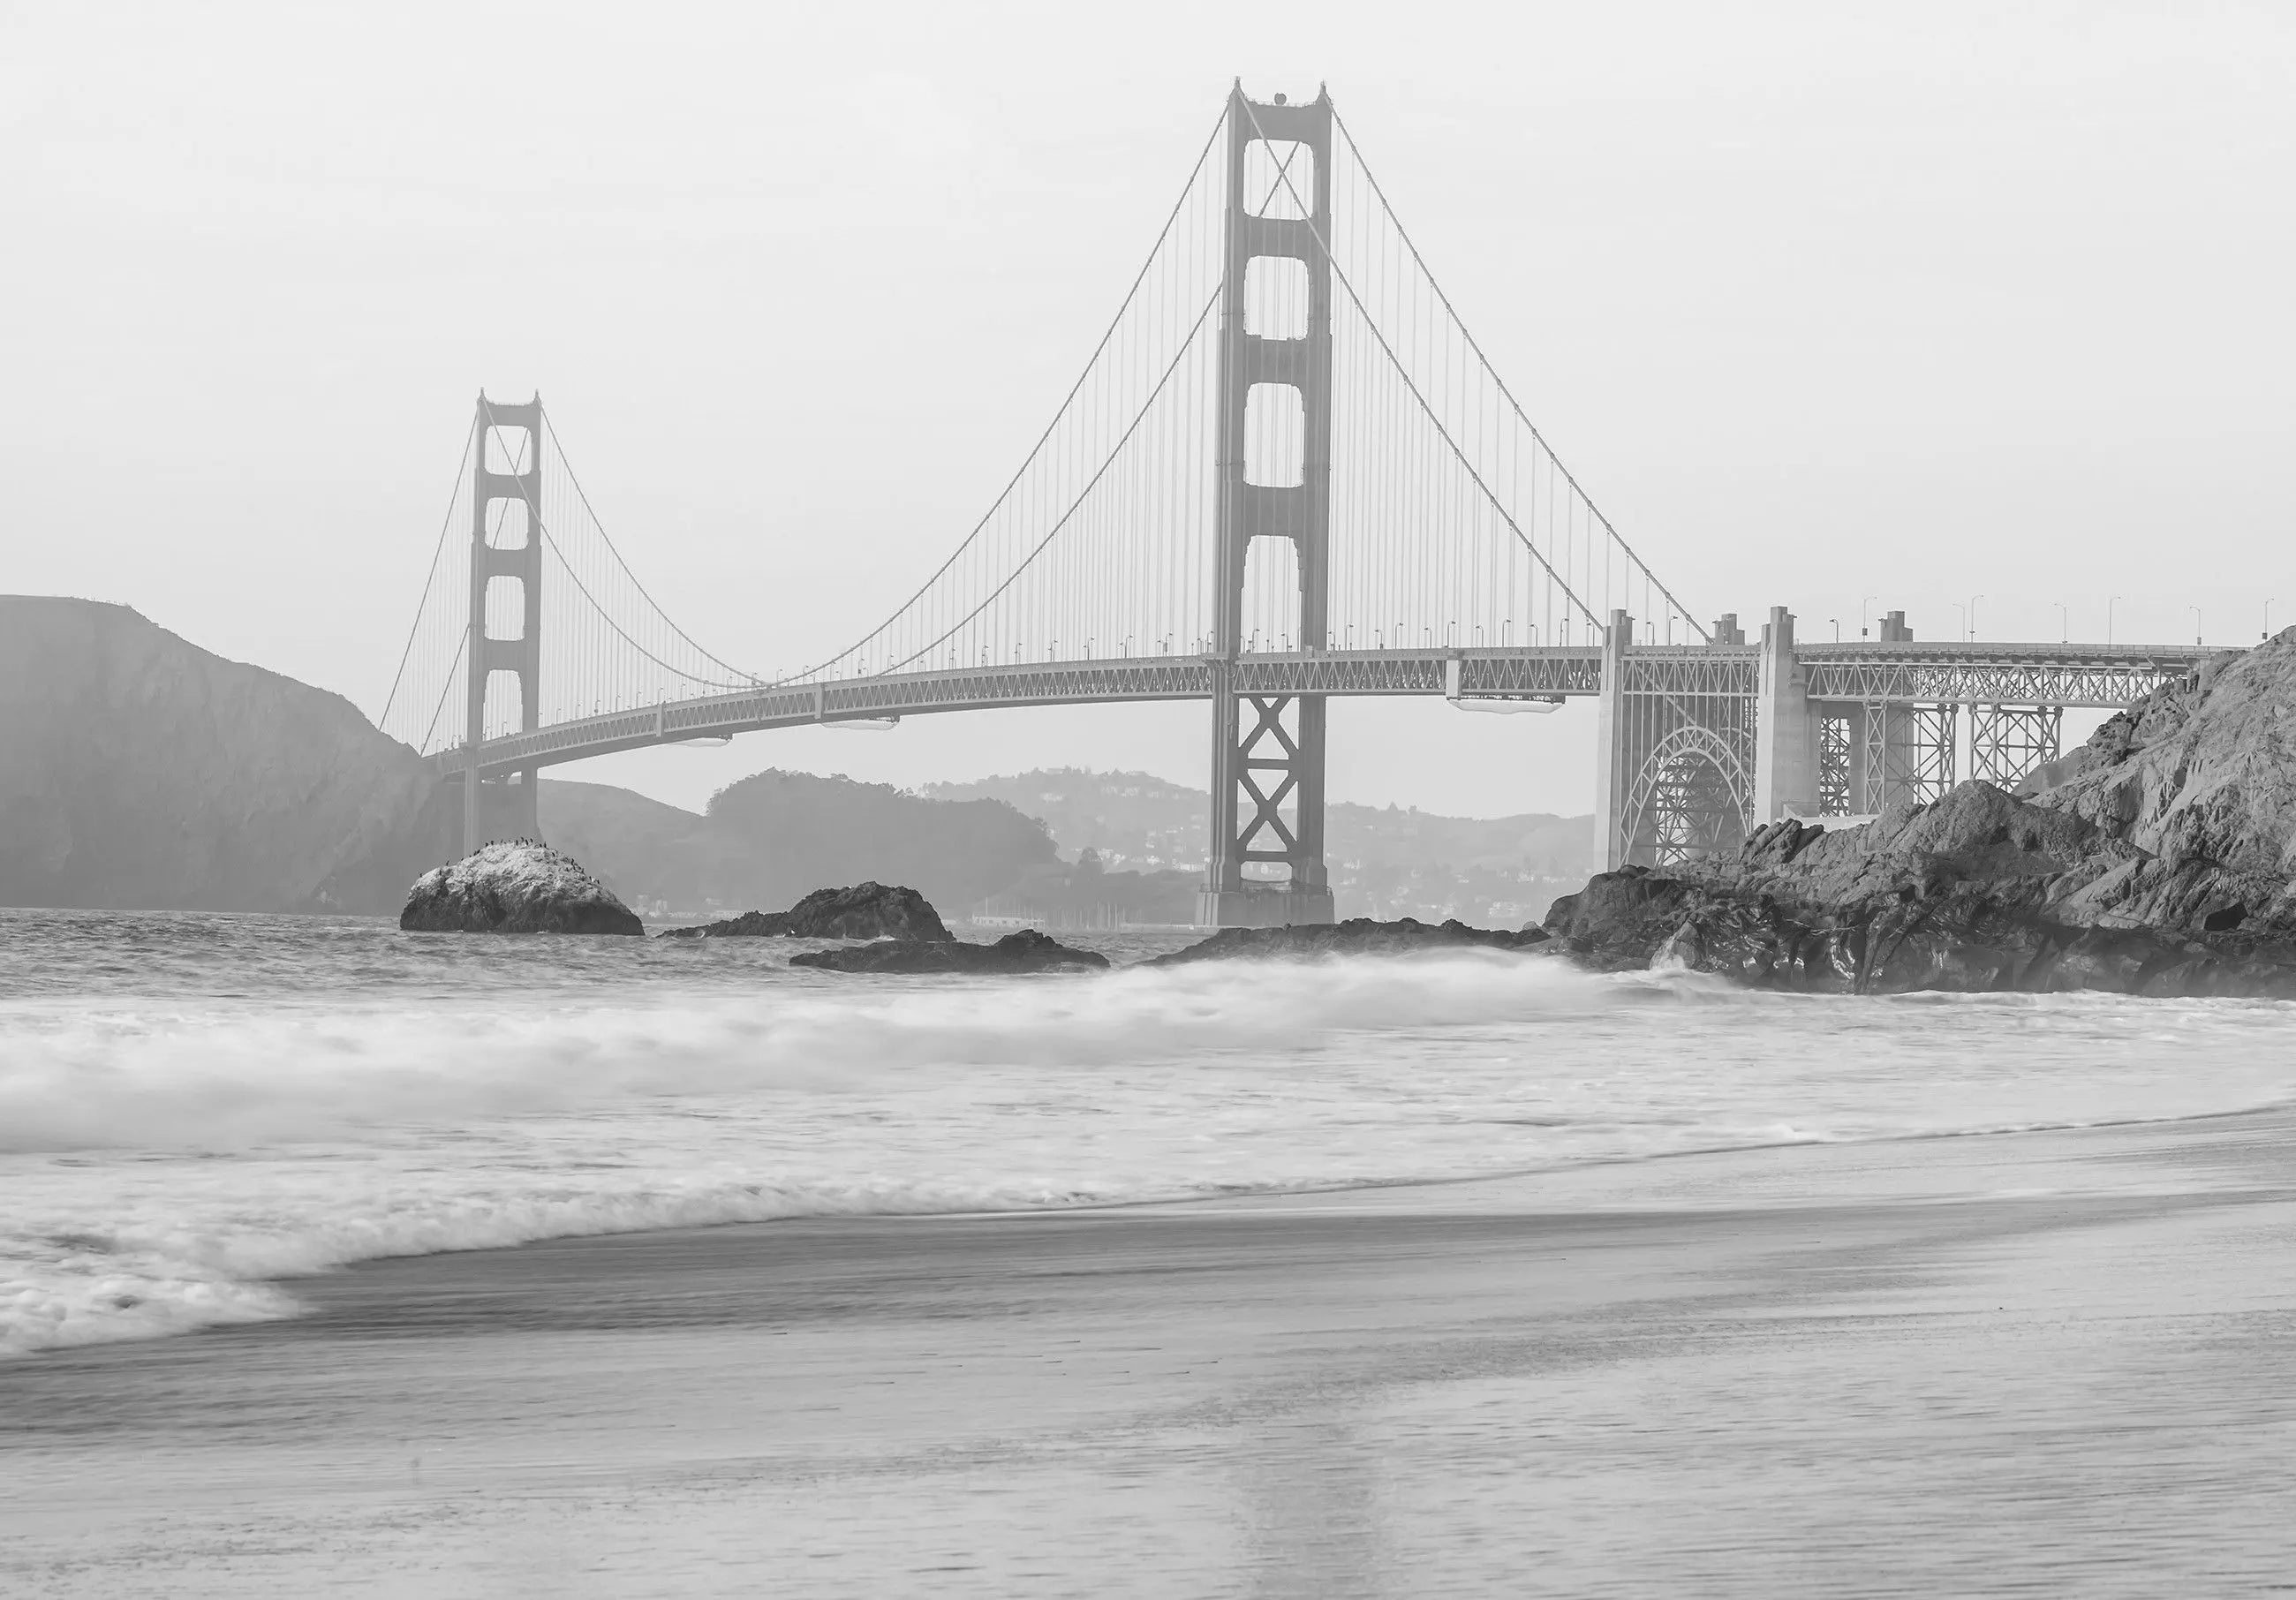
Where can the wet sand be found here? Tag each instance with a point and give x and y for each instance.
(2051, 1363)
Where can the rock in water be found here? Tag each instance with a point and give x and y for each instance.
(514, 886)
(1026, 951)
(865, 911)
(1358, 936)
(2156, 860)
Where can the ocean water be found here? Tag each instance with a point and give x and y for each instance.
(195, 1110)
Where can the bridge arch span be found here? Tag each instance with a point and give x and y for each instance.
(1692, 794)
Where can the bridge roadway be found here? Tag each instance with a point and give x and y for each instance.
(1900, 674)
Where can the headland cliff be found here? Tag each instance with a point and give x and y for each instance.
(138, 770)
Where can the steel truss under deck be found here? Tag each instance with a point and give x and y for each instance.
(2023, 674)
(1897, 676)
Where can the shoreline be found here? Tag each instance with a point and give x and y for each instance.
(1918, 1364)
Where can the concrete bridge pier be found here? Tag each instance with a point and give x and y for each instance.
(1786, 728)
(1696, 745)
(1613, 773)
(506, 807)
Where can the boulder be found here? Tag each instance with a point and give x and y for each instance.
(514, 886)
(2158, 859)
(1026, 951)
(863, 911)
(1358, 936)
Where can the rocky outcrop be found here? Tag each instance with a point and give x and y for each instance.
(1358, 936)
(2157, 859)
(1026, 951)
(514, 886)
(863, 911)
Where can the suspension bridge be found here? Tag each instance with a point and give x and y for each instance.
(1286, 471)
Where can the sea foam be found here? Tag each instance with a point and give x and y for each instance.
(173, 1160)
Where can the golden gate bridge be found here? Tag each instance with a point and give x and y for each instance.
(1286, 471)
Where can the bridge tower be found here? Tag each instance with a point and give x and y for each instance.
(502, 502)
(1267, 749)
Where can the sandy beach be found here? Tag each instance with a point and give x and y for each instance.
(2042, 1363)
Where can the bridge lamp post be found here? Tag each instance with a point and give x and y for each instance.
(1973, 599)
(2196, 622)
(1837, 628)
(1862, 605)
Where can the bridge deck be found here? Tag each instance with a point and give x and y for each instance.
(2062, 674)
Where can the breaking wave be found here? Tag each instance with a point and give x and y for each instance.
(173, 1161)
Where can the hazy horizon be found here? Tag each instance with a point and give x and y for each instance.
(1819, 308)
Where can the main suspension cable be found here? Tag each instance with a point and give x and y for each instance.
(566, 464)
(1042, 440)
(445, 525)
(1082, 494)
(1308, 215)
(1459, 322)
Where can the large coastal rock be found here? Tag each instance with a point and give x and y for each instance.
(514, 886)
(2158, 858)
(1026, 951)
(1358, 936)
(863, 911)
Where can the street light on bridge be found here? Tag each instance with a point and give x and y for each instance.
(2196, 622)
(1973, 599)
(1862, 604)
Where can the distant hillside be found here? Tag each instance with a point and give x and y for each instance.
(806, 831)
(138, 770)
(776, 836)
(1132, 819)
(1385, 861)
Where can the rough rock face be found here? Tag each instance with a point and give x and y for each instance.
(1026, 951)
(514, 886)
(2157, 859)
(1358, 936)
(863, 911)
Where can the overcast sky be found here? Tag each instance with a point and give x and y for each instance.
(1821, 301)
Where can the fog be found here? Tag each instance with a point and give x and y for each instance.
(1978, 306)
